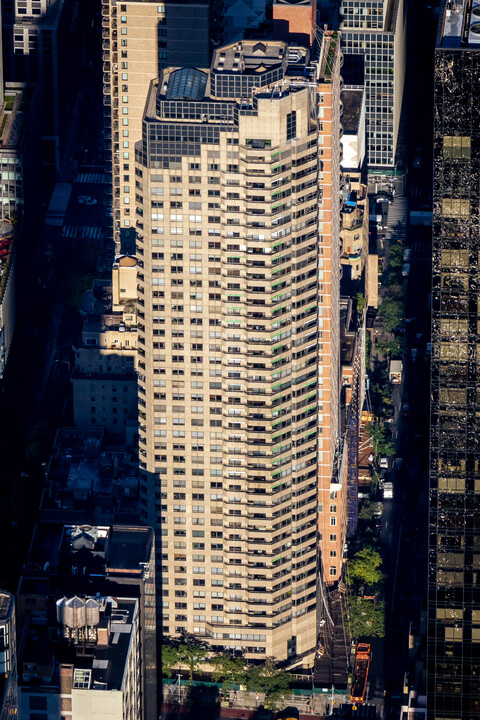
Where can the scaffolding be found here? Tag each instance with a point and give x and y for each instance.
(353, 432)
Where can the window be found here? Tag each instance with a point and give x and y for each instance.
(291, 125)
(37, 702)
(81, 678)
(456, 146)
(452, 207)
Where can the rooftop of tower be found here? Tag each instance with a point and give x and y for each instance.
(239, 71)
(249, 57)
(460, 24)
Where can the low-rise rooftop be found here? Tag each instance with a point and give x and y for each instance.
(352, 105)
(101, 549)
(95, 656)
(83, 474)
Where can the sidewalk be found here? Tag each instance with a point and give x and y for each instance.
(170, 711)
(249, 703)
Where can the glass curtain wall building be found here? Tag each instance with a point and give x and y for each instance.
(453, 670)
(373, 42)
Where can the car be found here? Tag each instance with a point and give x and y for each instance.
(414, 354)
(109, 211)
(405, 409)
(397, 463)
(388, 491)
(383, 462)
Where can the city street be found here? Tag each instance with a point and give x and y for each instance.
(30, 410)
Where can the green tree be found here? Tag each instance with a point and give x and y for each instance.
(392, 312)
(228, 669)
(365, 567)
(381, 397)
(375, 480)
(360, 298)
(367, 619)
(269, 679)
(380, 444)
(394, 347)
(170, 658)
(368, 510)
(395, 259)
(192, 654)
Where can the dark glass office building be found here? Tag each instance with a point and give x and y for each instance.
(453, 671)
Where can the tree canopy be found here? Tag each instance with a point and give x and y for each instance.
(366, 567)
(267, 678)
(228, 669)
(380, 444)
(360, 298)
(394, 347)
(192, 655)
(395, 259)
(368, 510)
(367, 619)
(170, 658)
(392, 312)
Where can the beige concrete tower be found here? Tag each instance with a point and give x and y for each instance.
(139, 37)
(237, 247)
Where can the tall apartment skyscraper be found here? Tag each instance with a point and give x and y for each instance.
(237, 180)
(139, 38)
(373, 42)
(453, 661)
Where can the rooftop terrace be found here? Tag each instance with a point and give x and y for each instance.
(13, 117)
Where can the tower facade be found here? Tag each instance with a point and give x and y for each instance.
(238, 307)
(138, 39)
(453, 661)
